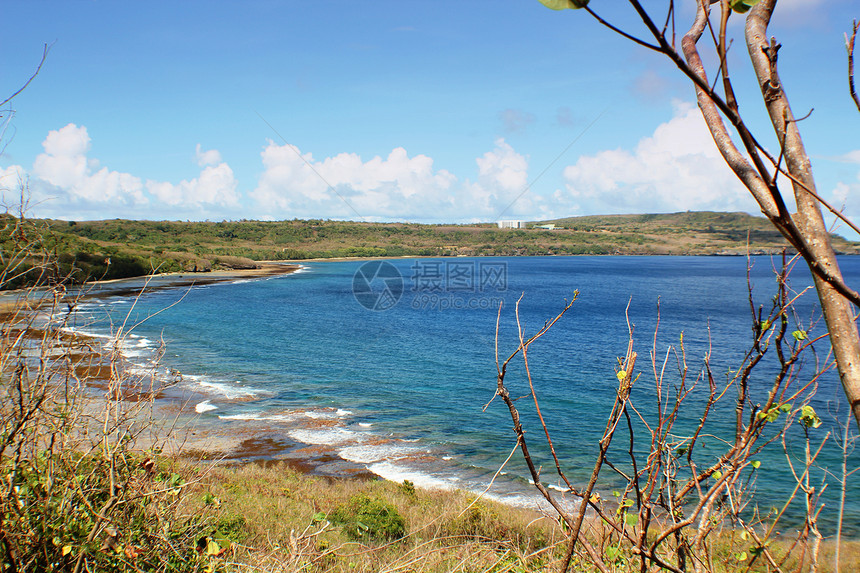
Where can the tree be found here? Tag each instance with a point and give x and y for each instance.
(756, 168)
(683, 470)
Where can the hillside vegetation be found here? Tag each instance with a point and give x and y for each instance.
(119, 248)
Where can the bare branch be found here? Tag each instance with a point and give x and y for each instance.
(621, 32)
(45, 51)
(849, 45)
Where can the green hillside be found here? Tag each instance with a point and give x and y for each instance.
(116, 248)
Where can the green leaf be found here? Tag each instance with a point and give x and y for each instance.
(717, 474)
(809, 418)
(612, 553)
(741, 6)
(772, 414)
(222, 540)
(564, 4)
(742, 556)
(799, 335)
(755, 464)
(785, 408)
(631, 519)
(318, 517)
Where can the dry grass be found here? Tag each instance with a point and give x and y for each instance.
(278, 519)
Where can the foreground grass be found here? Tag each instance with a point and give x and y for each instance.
(277, 519)
(280, 520)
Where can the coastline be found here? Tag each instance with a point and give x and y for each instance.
(179, 408)
(172, 410)
(227, 417)
(179, 418)
(266, 269)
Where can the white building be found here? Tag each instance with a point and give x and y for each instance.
(512, 224)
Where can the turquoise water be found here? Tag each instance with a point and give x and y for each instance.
(401, 391)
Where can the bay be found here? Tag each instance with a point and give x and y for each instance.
(401, 390)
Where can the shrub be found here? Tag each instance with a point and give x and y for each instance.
(366, 517)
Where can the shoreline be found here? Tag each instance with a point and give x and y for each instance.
(179, 417)
(15, 300)
(175, 409)
(181, 279)
(260, 434)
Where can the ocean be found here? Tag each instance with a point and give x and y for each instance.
(389, 367)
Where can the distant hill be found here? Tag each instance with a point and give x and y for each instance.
(696, 232)
(138, 247)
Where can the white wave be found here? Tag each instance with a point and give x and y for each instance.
(365, 454)
(258, 416)
(327, 414)
(398, 473)
(140, 341)
(326, 436)
(128, 353)
(82, 332)
(205, 406)
(231, 392)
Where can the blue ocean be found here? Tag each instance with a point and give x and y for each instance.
(389, 367)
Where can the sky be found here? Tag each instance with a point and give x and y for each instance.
(449, 111)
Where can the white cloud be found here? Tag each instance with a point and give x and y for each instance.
(210, 157)
(846, 197)
(677, 168)
(11, 177)
(503, 168)
(66, 167)
(65, 182)
(500, 190)
(294, 184)
(850, 157)
(216, 184)
(396, 187)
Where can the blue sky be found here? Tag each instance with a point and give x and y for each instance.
(442, 111)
